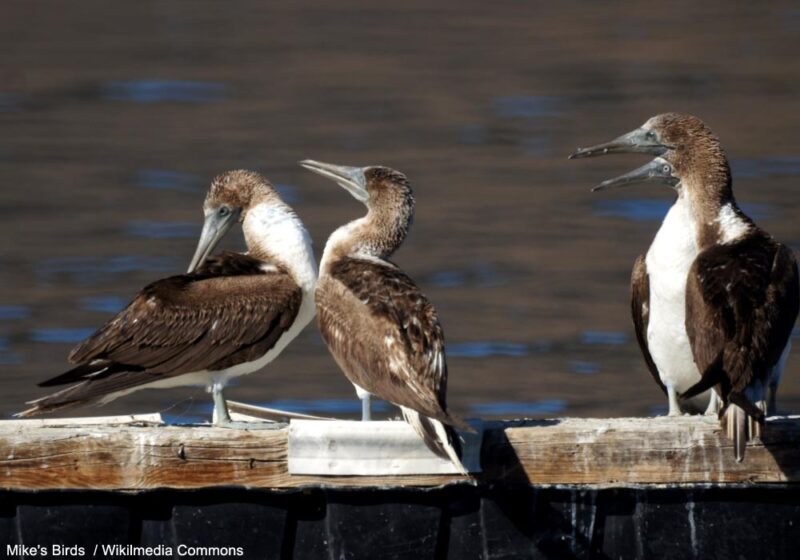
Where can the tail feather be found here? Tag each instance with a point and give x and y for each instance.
(741, 427)
(736, 429)
(440, 438)
(97, 390)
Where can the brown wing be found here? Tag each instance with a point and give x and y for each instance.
(229, 312)
(741, 305)
(640, 311)
(385, 335)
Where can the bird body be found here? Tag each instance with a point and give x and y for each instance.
(381, 330)
(230, 315)
(716, 297)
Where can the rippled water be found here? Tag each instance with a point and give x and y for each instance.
(113, 120)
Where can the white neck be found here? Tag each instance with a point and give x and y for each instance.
(275, 230)
(339, 239)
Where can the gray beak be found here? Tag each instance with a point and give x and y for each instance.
(658, 171)
(352, 179)
(636, 141)
(214, 229)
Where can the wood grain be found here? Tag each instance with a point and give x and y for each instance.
(595, 452)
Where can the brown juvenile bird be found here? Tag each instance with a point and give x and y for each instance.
(230, 315)
(715, 298)
(382, 331)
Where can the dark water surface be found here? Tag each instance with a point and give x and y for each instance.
(115, 116)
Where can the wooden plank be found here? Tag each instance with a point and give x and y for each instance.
(595, 452)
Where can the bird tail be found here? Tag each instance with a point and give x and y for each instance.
(92, 391)
(61, 400)
(440, 438)
(743, 422)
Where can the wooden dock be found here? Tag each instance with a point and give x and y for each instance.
(571, 488)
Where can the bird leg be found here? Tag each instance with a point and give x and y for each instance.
(713, 404)
(222, 418)
(221, 415)
(366, 404)
(674, 407)
(772, 390)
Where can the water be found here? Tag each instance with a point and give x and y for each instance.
(115, 118)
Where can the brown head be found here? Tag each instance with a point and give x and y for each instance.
(387, 195)
(229, 198)
(688, 157)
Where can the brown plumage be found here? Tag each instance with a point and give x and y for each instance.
(640, 312)
(739, 301)
(381, 330)
(162, 333)
(220, 320)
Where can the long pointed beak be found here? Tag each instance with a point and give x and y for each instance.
(635, 141)
(352, 179)
(658, 170)
(214, 229)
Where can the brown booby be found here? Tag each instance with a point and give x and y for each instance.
(381, 330)
(715, 298)
(230, 315)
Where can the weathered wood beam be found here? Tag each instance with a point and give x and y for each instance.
(596, 452)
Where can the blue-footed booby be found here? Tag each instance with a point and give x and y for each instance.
(381, 330)
(229, 315)
(715, 297)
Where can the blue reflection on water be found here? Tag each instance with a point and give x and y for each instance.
(327, 406)
(155, 91)
(612, 338)
(510, 408)
(103, 304)
(766, 166)
(14, 312)
(583, 367)
(289, 193)
(527, 106)
(163, 230)
(166, 179)
(8, 358)
(481, 273)
(90, 270)
(10, 102)
(485, 348)
(654, 210)
(448, 279)
(59, 336)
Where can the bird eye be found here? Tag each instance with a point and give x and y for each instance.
(223, 211)
(666, 169)
(650, 135)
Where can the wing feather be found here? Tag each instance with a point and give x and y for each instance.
(640, 311)
(385, 335)
(163, 332)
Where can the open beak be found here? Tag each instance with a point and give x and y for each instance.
(214, 229)
(352, 179)
(635, 141)
(658, 171)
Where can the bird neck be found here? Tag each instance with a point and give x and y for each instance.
(375, 236)
(275, 234)
(714, 211)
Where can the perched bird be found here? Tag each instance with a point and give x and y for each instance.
(382, 331)
(715, 298)
(230, 315)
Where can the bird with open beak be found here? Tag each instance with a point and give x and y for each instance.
(229, 315)
(382, 331)
(715, 297)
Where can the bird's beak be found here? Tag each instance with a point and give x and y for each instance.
(352, 179)
(214, 229)
(657, 171)
(635, 141)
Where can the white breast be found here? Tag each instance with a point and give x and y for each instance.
(668, 261)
